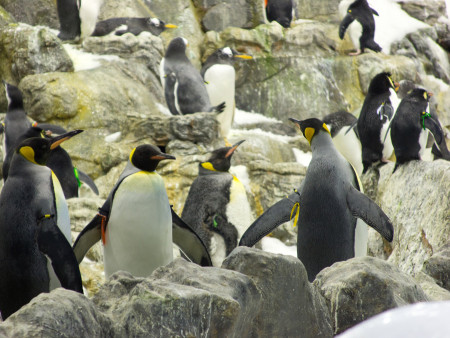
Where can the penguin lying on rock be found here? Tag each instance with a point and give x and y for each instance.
(35, 239)
(325, 208)
(136, 26)
(136, 223)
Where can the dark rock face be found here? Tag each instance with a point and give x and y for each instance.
(438, 266)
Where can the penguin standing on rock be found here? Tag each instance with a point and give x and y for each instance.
(359, 16)
(219, 75)
(217, 206)
(376, 113)
(280, 11)
(135, 26)
(325, 207)
(135, 222)
(77, 18)
(35, 251)
(410, 126)
(186, 93)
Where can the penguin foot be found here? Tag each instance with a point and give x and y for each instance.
(358, 52)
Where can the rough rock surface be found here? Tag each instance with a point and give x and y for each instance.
(36, 12)
(438, 266)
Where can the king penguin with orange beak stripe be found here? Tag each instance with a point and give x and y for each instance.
(325, 207)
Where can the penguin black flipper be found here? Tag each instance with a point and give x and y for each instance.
(433, 126)
(374, 12)
(69, 19)
(276, 215)
(348, 19)
(89, 181)
(90, 235)
(189, 242)
(363, 207)
(53, 244)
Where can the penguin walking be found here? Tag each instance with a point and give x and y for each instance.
(217, 206)
(376, 113)
(345, 137)
(35, 239)
(325, 207)
(410, 126)
(280, 11)
(361, 24)
(77, 18)
(187, 93)
(135, 222)
(219, 75)
(135, 26)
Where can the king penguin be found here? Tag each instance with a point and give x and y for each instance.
(325, 207)
(378, 109)
(35, 239)
(135, 222)
(280, 11)
(187, 93)
(361, 24)
(135, 26)
(217, 206)
(219, 75)
(77, 18)
(410, 126)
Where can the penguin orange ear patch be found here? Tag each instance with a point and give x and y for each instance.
(309, 133)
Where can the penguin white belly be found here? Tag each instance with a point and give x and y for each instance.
(423, 137)
(361, 238)
(139, 230)
(89, 10)
(175, 90)
(385, 139)
(218, 250)
(238, 209)
(350, 147)
(355, 31)
(62, 211)
(162, 74)
(220, 85)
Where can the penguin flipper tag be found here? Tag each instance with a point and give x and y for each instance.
(89, 181)
(363, 207)
(52, 243)
(90, 235)
(348, 19)
(276, 215)
(189, 241)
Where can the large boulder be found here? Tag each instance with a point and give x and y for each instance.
(35, 13)
(438, 266)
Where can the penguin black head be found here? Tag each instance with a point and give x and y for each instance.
(311, 127)
(227, 55)
(177, 47)
(37, 149)
(419, 95)
(13, 95)
(381, 83)
(220, 159)
(146, 157)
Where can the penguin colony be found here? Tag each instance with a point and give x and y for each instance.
(137, 225)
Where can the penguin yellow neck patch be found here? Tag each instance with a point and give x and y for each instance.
(208, 166)
(326, 128)
(309, 133)
(28, 153)
(131, 155)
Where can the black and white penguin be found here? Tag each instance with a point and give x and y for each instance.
(361, 24)
(136, 26)
(188, 93)
(325, 207)
(217, 206)
(345, 137)
(219, 75)
(376, 113)
(35, 239)
(77, 18)
(410, 126)
(135, 222)
(280, 11)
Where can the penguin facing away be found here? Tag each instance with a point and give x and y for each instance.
(217, 206)
(280, 11)
(219, 75)
(135, 26)
(376, 113)
(359, 16)
(77, 18)
(135, 222)
(35, 239)
(188, 92)
(326, 206)
(410, 126)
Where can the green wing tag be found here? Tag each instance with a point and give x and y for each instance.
(423, 117)
(215, 222)
(75, 172)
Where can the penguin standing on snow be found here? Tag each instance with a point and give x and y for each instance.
(219, 75)
(410, 126)
(35, 251)
(135, 222)
(77, 18)
(217, 206)
(135, 26)
(186, 93)
(376, 113)
(325, 207)
(359, 16)
(280, 11)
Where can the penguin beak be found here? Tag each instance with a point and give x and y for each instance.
(169, 25)
(243, 56)
(396, 86)
(56, 141)
(297, 122)
(233, 148)
(163, 156)
(430, 94)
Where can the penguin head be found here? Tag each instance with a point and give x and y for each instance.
(146, 157)
(37, 149)
(226, 55)
(13, 95)
(177, 47)
(381, 83)
(419, 95)
(220, 159)
(311, 127)
(156, 26)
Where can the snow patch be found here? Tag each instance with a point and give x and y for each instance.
(85, 61)
(163, 109)
(274, 245)
(242, 117)
(240, 171)
(302, 157)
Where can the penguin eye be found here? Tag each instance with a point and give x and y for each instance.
(349, 10)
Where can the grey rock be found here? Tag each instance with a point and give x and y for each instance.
(326, 10)
(426, 11)
(34, 13)
(124, 8)
(297, 304)
(433, 291)
(362, 287)
(438, 266)
(5, 17)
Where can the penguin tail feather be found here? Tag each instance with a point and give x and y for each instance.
(219, 108)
